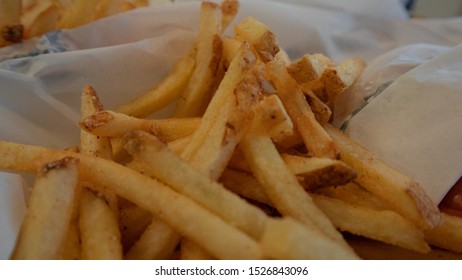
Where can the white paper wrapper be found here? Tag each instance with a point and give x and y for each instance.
(124, 55)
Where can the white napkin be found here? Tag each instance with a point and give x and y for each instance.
(415, 123)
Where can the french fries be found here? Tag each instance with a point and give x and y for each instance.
(248, 167)
(98, 220)
(23, 19)
(209, 46)
(51, 205)
(11, 29)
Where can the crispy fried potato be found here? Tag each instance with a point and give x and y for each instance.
(258, 34)
(400, 192)
(163, 93)
(157, 242)
(383, 225)
(286, 239)
(49, 214)
(447, 235)
(98, 219)
(11, 28)
(319, 172)
(99, 229)
(316, 139)
(163, 164)
(209, 46)
(112, 124)
(281, 186)
(242, 62)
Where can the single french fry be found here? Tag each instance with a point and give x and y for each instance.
(335, 80)
(229, 9)
(48, 217)
(281, 185)
(158, 161)
(259, 35)
(401, 193)
(447, 235)
(197, 93)
(321, 111)
(11, 29)
(287, 239)
(164, 93)
(112, 124)
(319, 172)
(70, 250)
(383, 225)
(157, 242)
(316, 139)
(99, 229)
(354, 194)
(309, 67)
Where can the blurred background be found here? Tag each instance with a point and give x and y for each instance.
(434, 8)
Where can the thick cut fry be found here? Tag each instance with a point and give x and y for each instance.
(319, 172)
(448, 235)
(48, 217)
(336, 80)
(383, 225)
(112, 124)
(259, 35)
(209, 46)
(281, 186)
(98, 219)
(99, 229)
(11, 29)
(157, 242)
(400, 192)
(309, 67)
(286, 239)
(158, 161)
(165, 92)
(316, 139)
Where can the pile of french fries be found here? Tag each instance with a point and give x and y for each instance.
(24, 19)
(248, 167)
